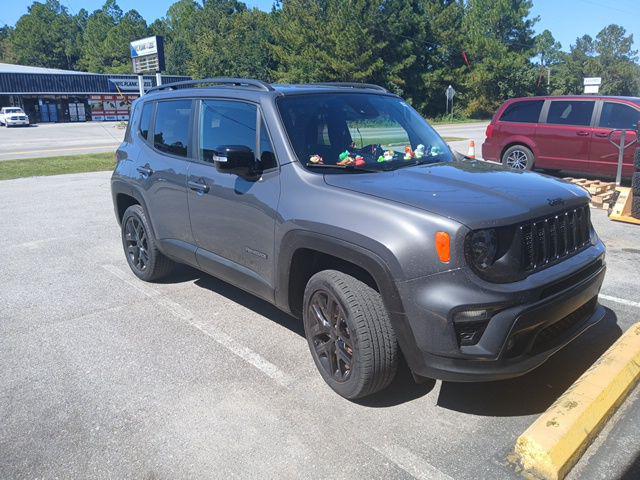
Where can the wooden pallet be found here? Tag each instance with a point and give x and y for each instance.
(622, 209)
(601, 192)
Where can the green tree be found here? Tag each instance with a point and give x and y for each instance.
(5, 33)
(499, 43)
(46, 36)
(106, 39)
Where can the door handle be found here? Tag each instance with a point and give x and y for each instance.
(582, 133)
(602, 134)
(147, 171)
(198, 186)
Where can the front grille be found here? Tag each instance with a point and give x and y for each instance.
(547, 240)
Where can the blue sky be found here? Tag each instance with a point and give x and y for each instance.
(567, 19)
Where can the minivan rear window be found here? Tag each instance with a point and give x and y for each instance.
(570, 112)
(523, 112)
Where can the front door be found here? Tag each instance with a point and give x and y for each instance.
(564, 136)
(604, 155)
(233, 218)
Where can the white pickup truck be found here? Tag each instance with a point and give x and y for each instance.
(13, 116)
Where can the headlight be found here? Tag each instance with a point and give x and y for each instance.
(483, 247)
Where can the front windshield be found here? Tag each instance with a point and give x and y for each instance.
(14, 110)
(359, 130)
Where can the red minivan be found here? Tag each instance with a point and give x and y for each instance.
(563, 133)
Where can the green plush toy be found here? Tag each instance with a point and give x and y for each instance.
(381, 159)
(344, 155)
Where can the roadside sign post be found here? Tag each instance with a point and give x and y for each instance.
(621, 146)
(147, 56)
(450, 93)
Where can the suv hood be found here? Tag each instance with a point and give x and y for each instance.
(475, 193)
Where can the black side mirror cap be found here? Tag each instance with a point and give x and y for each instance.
(236, 160)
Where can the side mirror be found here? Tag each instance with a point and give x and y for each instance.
(236, 160)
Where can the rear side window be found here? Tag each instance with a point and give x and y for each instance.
(570, 113)
(171, 130)
(618, 115)
(145, 119)
(224, 123)
(523, 112)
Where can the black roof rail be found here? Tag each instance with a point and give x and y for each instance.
(369, 86)
(236, 82)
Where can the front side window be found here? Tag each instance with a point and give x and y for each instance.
(576, 113)
(359, 129)
(619, 116)
(523, 112)
(145, 119)
(171, 130)
(226, 123)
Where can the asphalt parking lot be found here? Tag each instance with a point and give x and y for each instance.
(104, 376)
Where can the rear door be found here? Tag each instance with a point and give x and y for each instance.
(161, 170)
(564, 135)
(614, 115)
(233, 218)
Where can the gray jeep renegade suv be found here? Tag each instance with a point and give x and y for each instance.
(339, 204)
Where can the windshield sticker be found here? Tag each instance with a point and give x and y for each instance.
(316, 159)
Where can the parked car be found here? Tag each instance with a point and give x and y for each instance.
(13, 116)
(563, 133)
(340, 205)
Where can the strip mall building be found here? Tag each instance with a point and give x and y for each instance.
(52, 95)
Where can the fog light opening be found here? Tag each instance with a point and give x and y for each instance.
(470, 325)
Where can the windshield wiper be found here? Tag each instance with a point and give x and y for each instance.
(348, 168)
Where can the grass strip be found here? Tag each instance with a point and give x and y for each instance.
(32, 167)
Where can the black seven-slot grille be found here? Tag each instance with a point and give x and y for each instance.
(550, 239)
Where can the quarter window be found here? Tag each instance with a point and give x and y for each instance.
(225, 123)
(570, 113)
(523, 112)
(171, 130)
(267, 155)
(618, 115)
(145, 120)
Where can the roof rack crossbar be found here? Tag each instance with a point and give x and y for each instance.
(228, 81)
(369, 86)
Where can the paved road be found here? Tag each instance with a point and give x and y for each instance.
(53, 139)
(104, 376)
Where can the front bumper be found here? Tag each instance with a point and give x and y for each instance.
(535, 318)
(17, 123)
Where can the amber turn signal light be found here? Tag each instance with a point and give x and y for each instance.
(443, 246)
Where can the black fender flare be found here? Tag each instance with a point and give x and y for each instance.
(121, 187)
(350, 252)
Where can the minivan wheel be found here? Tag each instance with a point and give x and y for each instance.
(143, 256)
(349, 334)
(518, 157)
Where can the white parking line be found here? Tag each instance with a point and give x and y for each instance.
(411, 463)
(623, 301)
(208, 329)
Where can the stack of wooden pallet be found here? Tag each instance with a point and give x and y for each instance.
(602, 193)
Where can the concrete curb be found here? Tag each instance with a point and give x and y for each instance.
(552, 445)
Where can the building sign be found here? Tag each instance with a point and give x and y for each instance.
(129, 84)
(109, 108)
(147, 55)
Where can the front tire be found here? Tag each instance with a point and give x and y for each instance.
(140, 249)
(349, 334)
(518, 157)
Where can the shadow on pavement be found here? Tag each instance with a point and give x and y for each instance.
(530, 394)
(184, 273)
(534, 392)
(633, 471)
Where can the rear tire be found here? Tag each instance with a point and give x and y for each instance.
(140, 248)
(349, 334)
(518, 157)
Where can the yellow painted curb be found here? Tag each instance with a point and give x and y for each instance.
(552, 445)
